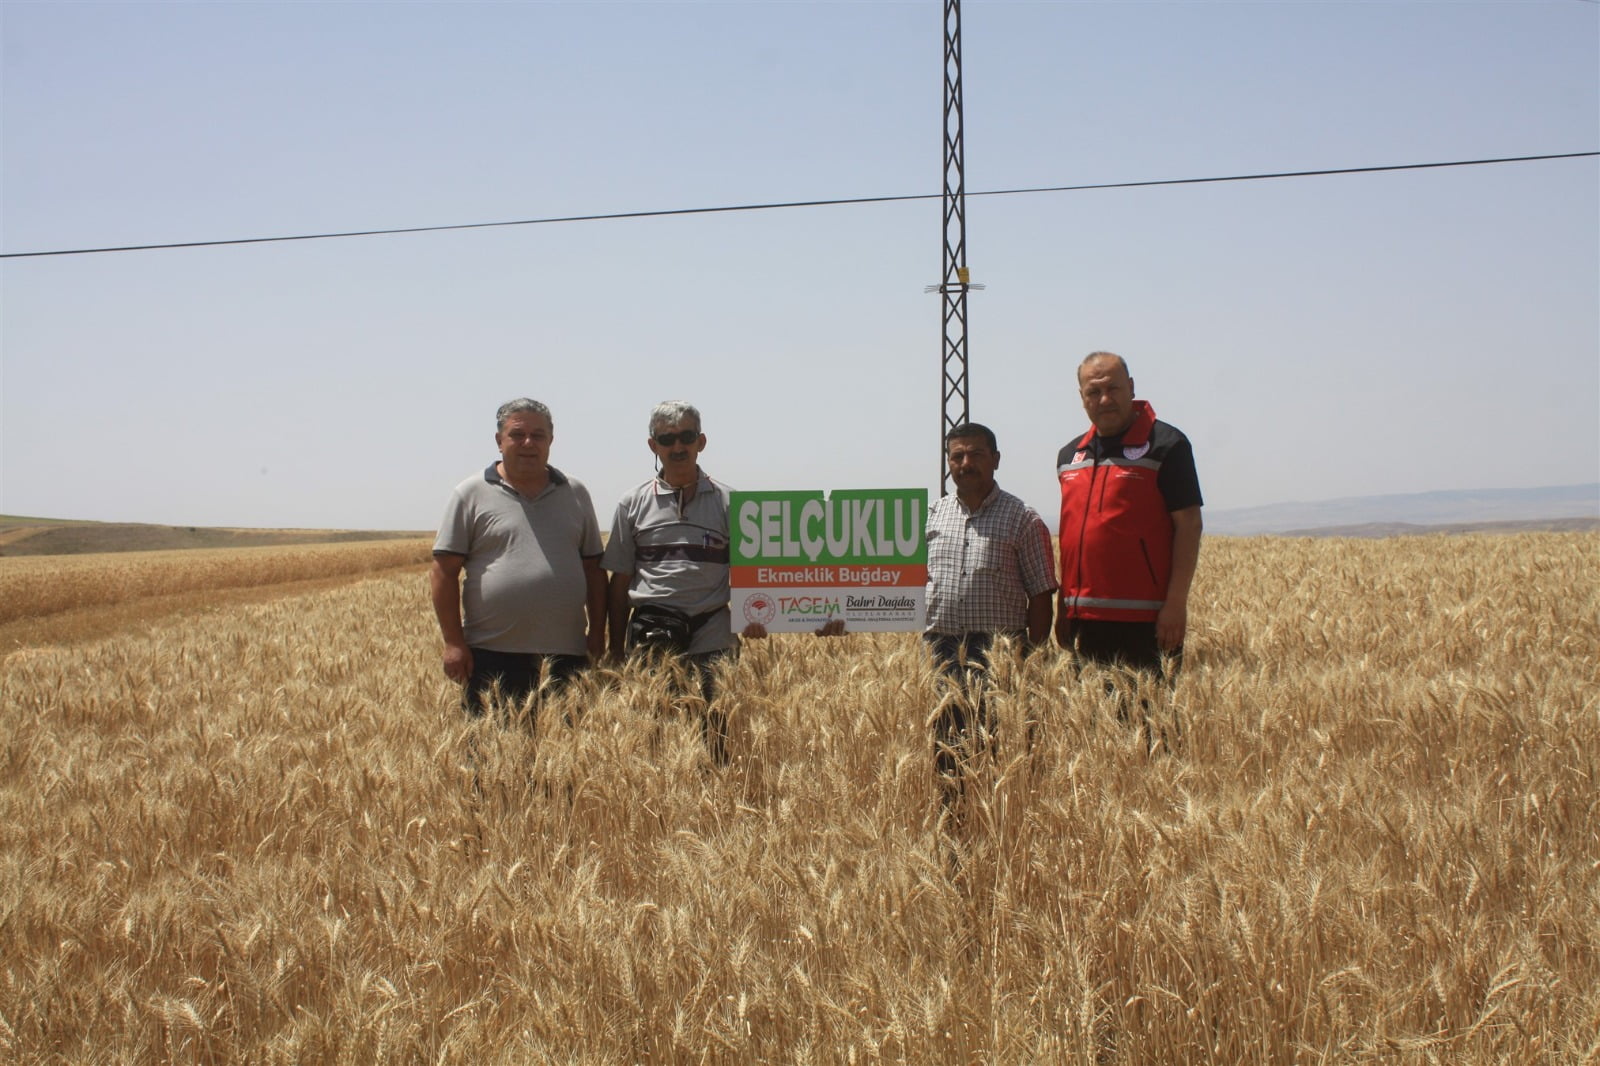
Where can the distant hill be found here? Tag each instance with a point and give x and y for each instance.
(1497, 510)
(45, 536)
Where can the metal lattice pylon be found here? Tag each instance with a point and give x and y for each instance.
(954, 405)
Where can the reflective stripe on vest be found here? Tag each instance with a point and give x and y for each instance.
(1115, 605)
(1084, 464)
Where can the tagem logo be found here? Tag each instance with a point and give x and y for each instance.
(809, 605)
(1138, 451)
(760, 609)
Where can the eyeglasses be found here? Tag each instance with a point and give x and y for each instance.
(683, 436)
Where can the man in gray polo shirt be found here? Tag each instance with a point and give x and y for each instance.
(669, 548)
(525, 537)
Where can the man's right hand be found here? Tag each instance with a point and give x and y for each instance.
(458, 663)
(1063, 630)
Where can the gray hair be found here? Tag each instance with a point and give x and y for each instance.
(1092, 356)
(671, 412)
(517, 407)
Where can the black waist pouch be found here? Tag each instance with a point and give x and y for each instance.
(657, 627)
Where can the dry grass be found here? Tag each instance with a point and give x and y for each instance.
(53, 536)
(36, 588)
(265, 835)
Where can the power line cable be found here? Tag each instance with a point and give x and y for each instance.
(729, 208)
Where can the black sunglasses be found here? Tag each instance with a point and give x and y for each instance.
(683, 436)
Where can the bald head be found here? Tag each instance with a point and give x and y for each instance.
(1106, 389)
(1103, 357)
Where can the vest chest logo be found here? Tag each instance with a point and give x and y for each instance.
(1079, 457)
(1138, 451)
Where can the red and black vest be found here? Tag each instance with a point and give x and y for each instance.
(1116, 532)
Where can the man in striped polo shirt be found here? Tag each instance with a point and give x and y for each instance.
(668, 551)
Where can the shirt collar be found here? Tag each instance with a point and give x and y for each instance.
(994, 494)
(492, 476)
(664, 489)
(1136, 432)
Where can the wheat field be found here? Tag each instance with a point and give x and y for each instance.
(265, 834)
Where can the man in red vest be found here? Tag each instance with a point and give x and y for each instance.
(1130, 526)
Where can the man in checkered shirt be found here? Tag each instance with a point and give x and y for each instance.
(990, 574)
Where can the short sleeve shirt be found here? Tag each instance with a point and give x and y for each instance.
(985, 565)
(524, 588)
(677, 553)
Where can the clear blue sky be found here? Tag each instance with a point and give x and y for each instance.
(1316, 338)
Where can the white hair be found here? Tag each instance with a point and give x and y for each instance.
(671, 412)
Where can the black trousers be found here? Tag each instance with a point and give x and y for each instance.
(1127, 644)
(700, 669)
(516, 674)
(1131, 646)
(966, 723)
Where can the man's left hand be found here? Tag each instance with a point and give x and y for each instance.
(1171, 625)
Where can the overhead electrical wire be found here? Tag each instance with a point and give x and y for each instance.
(729, 208)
